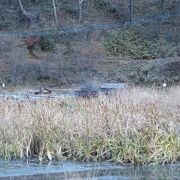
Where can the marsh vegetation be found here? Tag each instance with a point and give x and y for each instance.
(138, 126)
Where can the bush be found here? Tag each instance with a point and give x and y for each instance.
(105, 5)
(162, 48)
(46, 44)
(69, 8)
(130, 44)
(35, 43)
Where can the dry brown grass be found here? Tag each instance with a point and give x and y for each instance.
(133, 126)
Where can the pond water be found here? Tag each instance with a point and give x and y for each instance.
(12, 170)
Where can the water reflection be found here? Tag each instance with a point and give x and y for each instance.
(12, 170)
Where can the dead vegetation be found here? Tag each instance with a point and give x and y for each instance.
(139, 126)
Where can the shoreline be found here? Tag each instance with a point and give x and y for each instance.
(72, 170)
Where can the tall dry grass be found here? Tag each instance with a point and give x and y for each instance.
(138, 126)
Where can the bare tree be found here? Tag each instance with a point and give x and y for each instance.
(29, 16)
(80, 11)
(55, 13)
(130, 11)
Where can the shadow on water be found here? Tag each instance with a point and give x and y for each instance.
(12, 170)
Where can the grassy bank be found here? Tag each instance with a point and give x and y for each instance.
(138, 126)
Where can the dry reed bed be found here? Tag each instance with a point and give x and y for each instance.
(138, 126)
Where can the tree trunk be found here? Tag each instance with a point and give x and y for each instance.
(80, 11)
(28, 15)
(55, 14)
(130, 11)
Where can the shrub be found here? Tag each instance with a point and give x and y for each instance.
(69, 8)
(35, 43)
(129, 43)
(105, 5)
(46, 44)
(32, 43)
(162, 48)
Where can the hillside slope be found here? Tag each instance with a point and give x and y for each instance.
(75, 58)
